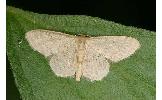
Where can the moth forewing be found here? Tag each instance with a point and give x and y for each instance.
(114, 48)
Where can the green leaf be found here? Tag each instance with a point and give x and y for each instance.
(130, 79)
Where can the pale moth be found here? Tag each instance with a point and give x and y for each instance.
(80, 55)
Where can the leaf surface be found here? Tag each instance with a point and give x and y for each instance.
(129, 79)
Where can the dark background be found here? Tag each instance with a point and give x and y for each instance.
(137, 13)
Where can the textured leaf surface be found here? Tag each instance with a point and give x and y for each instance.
(130, 79)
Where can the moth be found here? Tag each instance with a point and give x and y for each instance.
(79, 56)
